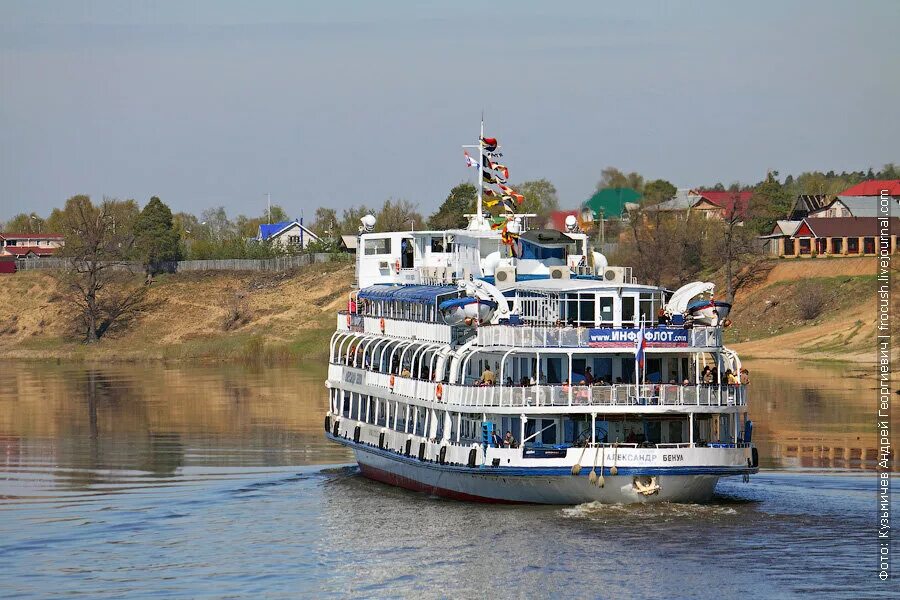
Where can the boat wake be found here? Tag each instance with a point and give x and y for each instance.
(657, 511)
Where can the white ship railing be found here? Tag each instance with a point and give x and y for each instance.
(518, 336)
(545, 395)
(514, 336)
(401, 328)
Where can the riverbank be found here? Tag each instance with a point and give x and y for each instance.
(209, 316)
(809, 309)
(290, 316)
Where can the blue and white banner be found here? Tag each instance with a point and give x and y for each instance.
(657, 337)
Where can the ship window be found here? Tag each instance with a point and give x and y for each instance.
(586, 309)
(606, 310)
(646, 308)
(378, 246)
(438, 245)
(628, 310)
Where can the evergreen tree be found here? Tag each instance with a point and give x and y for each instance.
(155, 237)
(459, 202)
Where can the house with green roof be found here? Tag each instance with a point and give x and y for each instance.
(610, 202)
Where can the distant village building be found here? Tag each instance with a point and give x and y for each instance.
(721, 205)
(848, 206)
(711, 204)
(348, 243)
(609, 203)
(30, 245)
(287, 234)
(804, 204)
(828, 236)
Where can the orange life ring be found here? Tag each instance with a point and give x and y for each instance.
(348, 320)
(397, 265)
(392, 381)
(439, 391)
(382, 324)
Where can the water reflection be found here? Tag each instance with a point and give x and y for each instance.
(92, 424)
(813, 415)
(139, 480)
(156, 418)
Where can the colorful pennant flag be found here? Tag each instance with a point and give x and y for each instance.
(470, 162)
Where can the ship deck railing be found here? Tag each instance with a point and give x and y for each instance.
(486, 396)
(526, 336)
(511, 336)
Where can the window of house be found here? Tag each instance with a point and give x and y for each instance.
(837, 245)
(853, 245)
(377, 246)
(804, 245)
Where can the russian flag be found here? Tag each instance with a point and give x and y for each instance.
(639, 346)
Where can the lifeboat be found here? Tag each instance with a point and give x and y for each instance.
(708, 311)
(467, 311)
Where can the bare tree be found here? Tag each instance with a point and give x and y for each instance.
(738, 248)
(101, 288)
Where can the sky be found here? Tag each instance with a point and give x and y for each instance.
(217, 103)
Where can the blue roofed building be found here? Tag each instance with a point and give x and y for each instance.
(288, 234)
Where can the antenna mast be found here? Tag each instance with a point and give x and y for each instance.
(478, 208)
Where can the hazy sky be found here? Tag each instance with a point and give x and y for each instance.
(214, 102)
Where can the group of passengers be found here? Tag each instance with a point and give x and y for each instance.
(710, 376)
(507, 441)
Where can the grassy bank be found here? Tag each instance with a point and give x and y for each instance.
(222, 316)
(774, 320)
(273, 317)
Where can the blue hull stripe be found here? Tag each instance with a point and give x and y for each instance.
(541, 471)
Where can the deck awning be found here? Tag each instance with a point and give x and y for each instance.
(418, 294)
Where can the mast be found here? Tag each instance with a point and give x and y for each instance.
(478, 209)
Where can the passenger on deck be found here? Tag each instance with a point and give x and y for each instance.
(661, 317)
(588, 376)
(730, 379)
(405, 372)
(745, 377)
(497, 440)
(706, 375)
(686, 382)
(509, 382)
(487, 376)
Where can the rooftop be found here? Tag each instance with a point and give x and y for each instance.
(873, 188)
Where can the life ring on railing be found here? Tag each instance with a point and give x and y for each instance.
(381, 323)
(348, 319)
(397, 265)
(392, 382)
(439, 391)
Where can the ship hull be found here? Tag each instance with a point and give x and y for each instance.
(485, 485)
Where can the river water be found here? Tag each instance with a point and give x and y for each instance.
(194, 481)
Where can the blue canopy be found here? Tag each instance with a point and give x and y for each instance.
(420, 294)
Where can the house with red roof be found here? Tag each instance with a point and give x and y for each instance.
(829, 236)
(30, 245)
(721, 205)
(874, 187)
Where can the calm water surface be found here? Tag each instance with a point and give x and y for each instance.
(217, 482)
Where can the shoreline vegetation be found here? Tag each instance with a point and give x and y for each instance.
(820, 310)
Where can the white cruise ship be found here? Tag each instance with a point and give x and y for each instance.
(515, 365)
